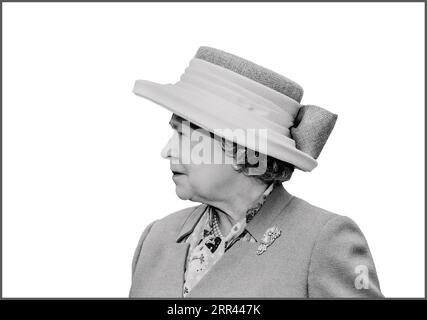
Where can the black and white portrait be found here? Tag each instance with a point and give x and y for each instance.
(213, 150)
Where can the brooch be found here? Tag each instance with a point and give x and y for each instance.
(269, 236)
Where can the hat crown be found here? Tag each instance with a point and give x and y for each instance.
(252, 71)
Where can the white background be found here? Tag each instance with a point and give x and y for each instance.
(82, 173)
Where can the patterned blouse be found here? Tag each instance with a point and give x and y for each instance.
(207, 244)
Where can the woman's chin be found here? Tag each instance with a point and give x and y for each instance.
(182, 194)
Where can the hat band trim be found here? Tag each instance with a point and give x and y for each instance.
(281, 120)
(199, 70)
(222, 102)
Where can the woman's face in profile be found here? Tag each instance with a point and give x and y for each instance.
(201, 169)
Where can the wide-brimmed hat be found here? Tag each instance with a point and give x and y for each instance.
(222, 92)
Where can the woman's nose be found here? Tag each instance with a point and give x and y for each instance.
(169, 150)
(166, 151)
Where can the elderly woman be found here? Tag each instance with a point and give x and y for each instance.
(239, 133)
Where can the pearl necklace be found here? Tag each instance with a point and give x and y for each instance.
(215, 225)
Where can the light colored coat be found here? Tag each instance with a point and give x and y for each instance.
(318, 254)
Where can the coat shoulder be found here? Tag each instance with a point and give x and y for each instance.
(331, 250)
(318, 218)
(308, 214)
(304, 222)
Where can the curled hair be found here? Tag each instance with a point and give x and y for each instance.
(274, 170)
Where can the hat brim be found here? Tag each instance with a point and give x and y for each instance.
(187, 104)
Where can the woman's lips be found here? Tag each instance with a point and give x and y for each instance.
(176, 175)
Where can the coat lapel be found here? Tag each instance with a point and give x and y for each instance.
(172, 281)
(165, 279)
(191, 222)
